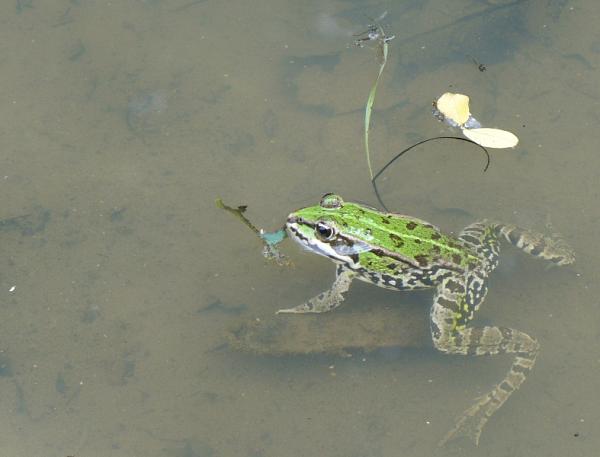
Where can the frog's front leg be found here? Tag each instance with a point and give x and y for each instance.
(328, 300)
(450, 335)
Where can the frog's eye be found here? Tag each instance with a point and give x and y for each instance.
(324, 232)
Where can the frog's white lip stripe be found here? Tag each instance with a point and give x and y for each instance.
(316, 246)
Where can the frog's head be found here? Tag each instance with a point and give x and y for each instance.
(324, 229)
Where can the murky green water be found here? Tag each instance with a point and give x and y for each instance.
(121, 123)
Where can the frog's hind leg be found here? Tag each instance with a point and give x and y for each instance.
(483, 237)
(328, 300)
(450, 335)
(493, 340)
(552, 248)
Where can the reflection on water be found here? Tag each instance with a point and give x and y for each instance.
(122, 282)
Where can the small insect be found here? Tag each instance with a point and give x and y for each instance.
(481, 67)
(374, 32)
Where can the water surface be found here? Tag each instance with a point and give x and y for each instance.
(123, 121)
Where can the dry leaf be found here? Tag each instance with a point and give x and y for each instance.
(454, 107)
(491, 138)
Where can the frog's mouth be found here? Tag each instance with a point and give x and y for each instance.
(296, 225)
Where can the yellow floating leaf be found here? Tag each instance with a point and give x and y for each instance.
(454, 107)
(491, 138)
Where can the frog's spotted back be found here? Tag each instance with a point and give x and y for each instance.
(411, 241)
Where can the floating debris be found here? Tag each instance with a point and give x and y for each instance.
(269, 239)
(492, 138)
(453, 109)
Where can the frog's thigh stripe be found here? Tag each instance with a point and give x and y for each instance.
(446, 310)
(481, 237)
(456, 300)
(476, 292)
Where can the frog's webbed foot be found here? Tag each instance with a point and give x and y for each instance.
(470, 424)
(328, 300)
(316, 304)
(322, 303)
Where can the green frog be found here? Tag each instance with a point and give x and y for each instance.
(405, 253)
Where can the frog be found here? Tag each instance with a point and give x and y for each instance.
(404, 253)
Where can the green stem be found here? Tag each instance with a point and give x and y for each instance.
(369, 106)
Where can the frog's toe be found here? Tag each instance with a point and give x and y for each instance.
(468, 426)
(471, 423)
(300, 309)
(285, 311)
